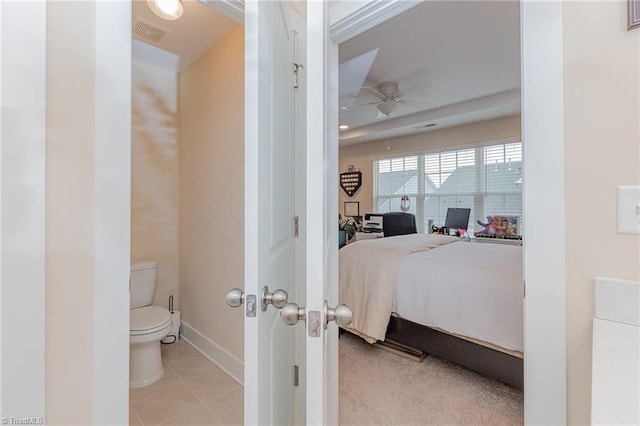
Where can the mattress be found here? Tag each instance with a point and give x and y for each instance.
(470, 290)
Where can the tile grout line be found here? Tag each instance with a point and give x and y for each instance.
(202, 401)
(219, 395)
(174, 372)
(151, 395)
(213, 414)
(182, 413)
(135, 413)
(157, 392)
(185, 381)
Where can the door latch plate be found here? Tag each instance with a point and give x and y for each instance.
(250, 303)
(313, 323)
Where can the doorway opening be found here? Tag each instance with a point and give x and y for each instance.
(438, 125)
(187, 207)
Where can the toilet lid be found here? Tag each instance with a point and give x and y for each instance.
(148, 318)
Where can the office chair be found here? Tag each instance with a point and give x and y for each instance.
(398, 223)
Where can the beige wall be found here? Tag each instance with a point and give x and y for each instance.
(154, 175)
(69, 222)
(602, 150)
(211, 126)
(87, 234)
(362, 155)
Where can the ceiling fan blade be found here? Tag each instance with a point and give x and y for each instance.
(352, 107)
(413, 102)
(372, 91)
(415, 88)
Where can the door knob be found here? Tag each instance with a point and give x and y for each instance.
(341, 314)
(235, 297)
(278, 298)
(292, 313)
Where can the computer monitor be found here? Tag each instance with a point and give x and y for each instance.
(457, 218)
(372, 222)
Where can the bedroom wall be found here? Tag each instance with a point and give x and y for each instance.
(211, 109)
(154, 175)
(602, 151)
(362, 155)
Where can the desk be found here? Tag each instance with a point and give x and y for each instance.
(368, 235)
(506, 241)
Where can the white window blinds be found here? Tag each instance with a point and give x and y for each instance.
(488, 180)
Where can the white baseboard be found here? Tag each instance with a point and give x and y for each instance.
(215, 353)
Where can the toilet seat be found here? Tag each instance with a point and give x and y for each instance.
(148, 320)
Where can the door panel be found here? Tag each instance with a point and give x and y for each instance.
(321, 214)
(269, 210)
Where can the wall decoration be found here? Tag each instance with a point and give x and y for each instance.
(352, 208)
(499, 227)
(351, 180)
(633, 14)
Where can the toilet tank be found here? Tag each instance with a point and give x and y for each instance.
(143, 283)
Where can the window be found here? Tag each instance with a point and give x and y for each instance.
(487, 179)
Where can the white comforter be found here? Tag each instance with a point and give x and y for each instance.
(369, 276)
(469, 289)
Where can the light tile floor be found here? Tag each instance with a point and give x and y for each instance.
(192, 391)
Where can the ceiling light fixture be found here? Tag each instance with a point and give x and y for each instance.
(166, 9)
(343, 127)
(387, 107)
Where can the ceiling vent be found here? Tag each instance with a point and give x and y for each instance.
(147, 31)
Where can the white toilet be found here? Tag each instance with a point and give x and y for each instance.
(148, 325)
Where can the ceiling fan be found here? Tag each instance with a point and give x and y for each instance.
(389, 97)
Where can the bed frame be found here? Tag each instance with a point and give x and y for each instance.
(489, 362)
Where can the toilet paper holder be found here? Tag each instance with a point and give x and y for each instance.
(174, 334)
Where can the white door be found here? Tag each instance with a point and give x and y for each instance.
(270, 246)
(272, 156)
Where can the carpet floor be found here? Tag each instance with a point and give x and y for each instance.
(382, 388)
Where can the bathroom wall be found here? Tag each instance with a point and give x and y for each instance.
(154, 174)
(211, 109)
(362, 155)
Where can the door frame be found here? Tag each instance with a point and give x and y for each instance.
(22, 259)
(545, 381)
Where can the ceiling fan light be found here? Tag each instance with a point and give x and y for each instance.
(166, 9)
(387, 107)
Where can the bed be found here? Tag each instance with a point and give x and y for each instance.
(458, 300)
